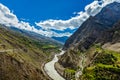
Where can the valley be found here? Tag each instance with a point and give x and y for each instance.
(92, 52)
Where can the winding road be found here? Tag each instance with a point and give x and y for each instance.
(50, 68)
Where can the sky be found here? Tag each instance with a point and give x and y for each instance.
(37, 10)
(51, 18)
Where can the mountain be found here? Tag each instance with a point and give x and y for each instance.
(110, 14)
(37, 36)
(22, 57)
(94, 26)
(86, 34)
(103, 62)
(61, 39)
(93, 51)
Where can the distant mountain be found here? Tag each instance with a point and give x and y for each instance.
(61, 39)
(37, 36)
(94, 49)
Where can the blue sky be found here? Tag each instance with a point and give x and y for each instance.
(37, 10)
(51, 18)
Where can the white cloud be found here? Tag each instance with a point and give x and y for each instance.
(93, 8)
(6, 17)
(90, 10)
(51, 33)
(9, 19)
(63, 24)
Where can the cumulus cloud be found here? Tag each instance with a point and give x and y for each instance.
(9, 19)
(63, 24)
(93, 8)
(75, 22)
(6, 17)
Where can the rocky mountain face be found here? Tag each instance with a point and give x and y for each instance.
(92, 29)
(110, 14)
(21, 57)
(111, 35)
(86, 34)
(98, 42)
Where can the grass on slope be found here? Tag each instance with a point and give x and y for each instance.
(25, 58)
(105, 66)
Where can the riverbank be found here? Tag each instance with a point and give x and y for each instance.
(45, 74)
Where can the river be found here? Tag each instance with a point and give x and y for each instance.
(50, 68)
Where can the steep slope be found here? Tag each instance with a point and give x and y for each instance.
(104, 61)
(90, 42)
(111, 34)
(22, 58)
(86, 34)
(110, 14)
(94, 26)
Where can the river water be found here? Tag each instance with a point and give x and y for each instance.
(50, 67)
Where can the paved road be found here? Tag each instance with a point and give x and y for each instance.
(50, 68)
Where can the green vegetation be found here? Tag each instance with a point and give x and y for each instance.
(49, 47)
(103, 58)
(101, 72)
(69, 74)
(22, 57)
(105, 66)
